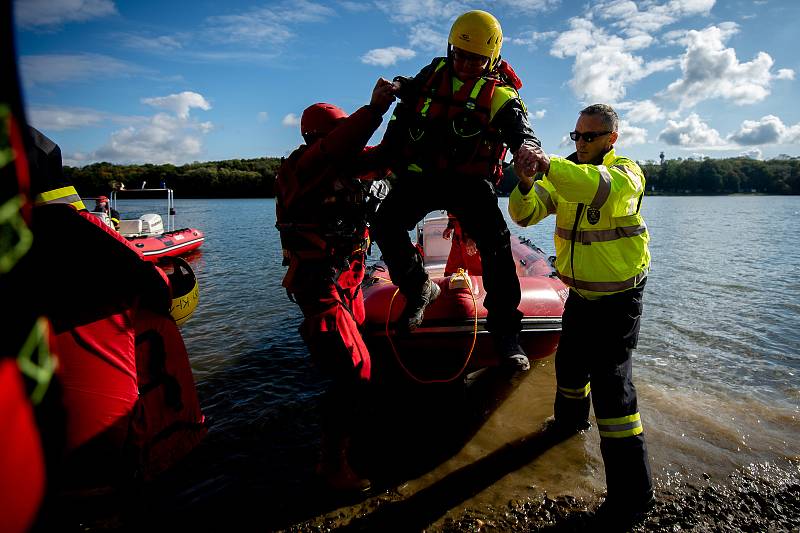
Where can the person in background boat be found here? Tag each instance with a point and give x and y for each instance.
(446, 142)
(322, 208)
(463, 251)
(602, 254)
(102, 206)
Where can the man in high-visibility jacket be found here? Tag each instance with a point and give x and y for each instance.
(446, 142)
(602, 255)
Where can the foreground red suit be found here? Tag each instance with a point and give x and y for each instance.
(128, 393)
(320, 208)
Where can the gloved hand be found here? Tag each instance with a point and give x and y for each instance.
(382, 96)
(528, 160)
(470, 248)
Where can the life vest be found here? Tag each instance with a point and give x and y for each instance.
(451, 129)
(322, 218)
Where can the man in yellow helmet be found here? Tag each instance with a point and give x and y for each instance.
(446, 142)
(602, 254)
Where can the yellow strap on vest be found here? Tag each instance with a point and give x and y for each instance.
(16, 231)
(427, 104)
(42, 368)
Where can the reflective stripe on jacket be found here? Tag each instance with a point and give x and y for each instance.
(62, 195)
(608, 245)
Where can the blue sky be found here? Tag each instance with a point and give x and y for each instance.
(169, 81)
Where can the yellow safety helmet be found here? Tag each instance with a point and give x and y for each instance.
(185, 290)
(478, 32)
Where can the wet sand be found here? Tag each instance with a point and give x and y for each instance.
(718, 465)
(474, 458)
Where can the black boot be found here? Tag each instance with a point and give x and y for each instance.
(623, 514)
(511, 354)
(412, 314)
(334, 468)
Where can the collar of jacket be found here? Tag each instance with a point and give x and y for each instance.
(608, 158)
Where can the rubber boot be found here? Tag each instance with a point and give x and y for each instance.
(335, 471)
(416, 302)
(511, 354)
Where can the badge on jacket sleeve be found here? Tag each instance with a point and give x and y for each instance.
(593, 215)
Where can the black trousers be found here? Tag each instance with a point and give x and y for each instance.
(597, 341)
(474, 203)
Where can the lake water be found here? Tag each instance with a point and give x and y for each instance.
(716, 369)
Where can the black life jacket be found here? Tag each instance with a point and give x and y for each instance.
(452, 132)
(321, 217)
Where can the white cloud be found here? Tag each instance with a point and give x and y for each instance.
(649, 17)
(532, 39)
(164, 139)
(537, 114)
(385, 57)
(180, 103)
(267, 24)
(291, 120)
(712, 71)
(411, 11)
(43, 69)
(262, 117)
(641, 111)
(426, 38)
(604, 65)
(161, 138)
(42, 13)
(53, 118)
(630, 134)
(355, 7)
(768, 130)
(691, 132)
(754, 153)
(530, 6)
(149, 43)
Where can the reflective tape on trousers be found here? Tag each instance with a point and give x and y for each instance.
(617, 428)
(575, 394)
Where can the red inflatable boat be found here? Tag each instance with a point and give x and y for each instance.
(453, 337)
(147, 233)
(170, 243)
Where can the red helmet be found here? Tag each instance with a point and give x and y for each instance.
(102, 199)
(319, 119)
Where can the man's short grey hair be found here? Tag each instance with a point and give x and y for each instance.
(606, 113)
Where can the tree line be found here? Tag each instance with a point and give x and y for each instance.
(255, 178)
(724, 176)
(234, 178)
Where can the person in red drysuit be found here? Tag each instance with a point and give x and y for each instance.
(321, 208)
(463, 251)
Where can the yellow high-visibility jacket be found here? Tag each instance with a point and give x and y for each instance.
(605, 250)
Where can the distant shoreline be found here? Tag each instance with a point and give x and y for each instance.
(255, 178)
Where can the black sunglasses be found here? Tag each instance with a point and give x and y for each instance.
(588, 136)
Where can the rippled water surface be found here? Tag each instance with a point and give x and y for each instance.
(716, 369)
